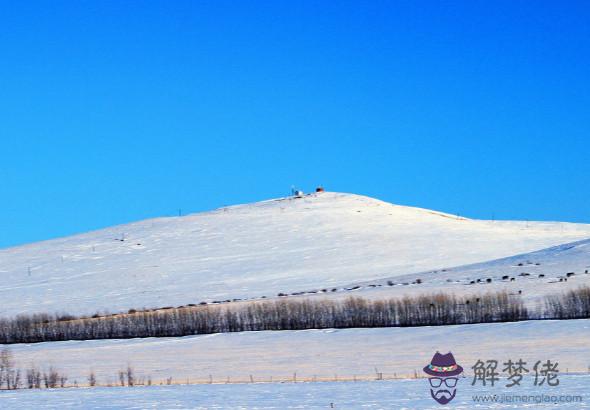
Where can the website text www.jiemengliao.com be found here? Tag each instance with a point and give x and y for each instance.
(526, 398)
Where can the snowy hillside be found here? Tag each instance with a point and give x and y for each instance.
(283, 245)
(531, 275)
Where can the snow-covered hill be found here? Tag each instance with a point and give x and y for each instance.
(282, 245)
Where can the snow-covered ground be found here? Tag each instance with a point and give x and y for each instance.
(323, 354)
(398, 394)
(285, 245)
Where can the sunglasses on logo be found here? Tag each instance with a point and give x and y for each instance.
(437, 381)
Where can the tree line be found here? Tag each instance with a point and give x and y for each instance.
(574, 304)
(287, 314)
(282, 314)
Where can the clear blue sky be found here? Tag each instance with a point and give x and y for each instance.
(114, 111)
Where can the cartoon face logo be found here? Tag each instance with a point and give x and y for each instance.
(443, 372)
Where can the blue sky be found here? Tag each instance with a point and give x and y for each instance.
(118, 111)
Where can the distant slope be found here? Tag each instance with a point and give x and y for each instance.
(531, 275)
(252, 250)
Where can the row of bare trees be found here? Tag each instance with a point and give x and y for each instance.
(574, 304)
(51, 378)
(289, 314)
(11, 377)
(286, 314)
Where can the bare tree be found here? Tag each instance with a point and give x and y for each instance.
(51, 378)
(33, 378)
(10, 377)
(130, 376)
(92, 379)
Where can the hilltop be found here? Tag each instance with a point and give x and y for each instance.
(254, 250)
